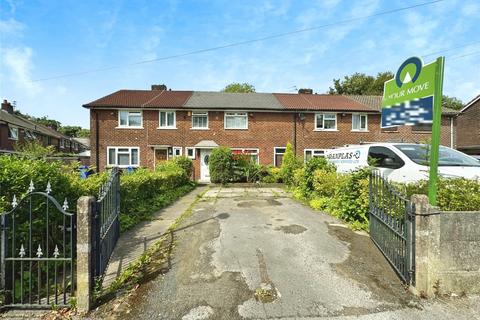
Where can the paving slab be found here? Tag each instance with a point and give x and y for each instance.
(133, 243)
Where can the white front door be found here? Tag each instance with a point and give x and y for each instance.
(204, 161)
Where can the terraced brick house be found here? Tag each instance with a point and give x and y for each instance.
(15, 130)
(139, 128)
(469, 127)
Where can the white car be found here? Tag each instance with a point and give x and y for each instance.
(404, 162)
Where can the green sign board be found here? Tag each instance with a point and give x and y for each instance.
(415, 96)
(412, 81)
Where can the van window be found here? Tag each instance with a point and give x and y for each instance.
(383, 157)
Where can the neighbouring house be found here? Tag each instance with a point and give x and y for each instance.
(15, 130)
(468, 122)
(132, 128)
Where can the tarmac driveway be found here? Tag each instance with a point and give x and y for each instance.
(254, 253)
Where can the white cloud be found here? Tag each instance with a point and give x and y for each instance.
(11, 27)
(18, 60)
(471, 9)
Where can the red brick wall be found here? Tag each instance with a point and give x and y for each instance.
(469, 127)
(266, 130)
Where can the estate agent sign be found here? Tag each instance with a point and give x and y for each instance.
(415, 96)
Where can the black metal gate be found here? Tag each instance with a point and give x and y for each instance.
(392, 226)
(37, 252)
(106, 224)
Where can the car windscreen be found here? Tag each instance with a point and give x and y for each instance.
(420, 153)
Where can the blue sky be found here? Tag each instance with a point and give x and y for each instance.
(42, 39)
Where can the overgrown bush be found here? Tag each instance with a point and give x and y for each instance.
(221, 165)
(453, 194)
(272, 175)
(185, 163)
(304, 177)
(289, 164)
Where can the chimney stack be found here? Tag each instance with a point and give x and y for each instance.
(305, 91)
(7, 106)
(159, 87)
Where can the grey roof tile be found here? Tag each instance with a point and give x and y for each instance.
(232, 101)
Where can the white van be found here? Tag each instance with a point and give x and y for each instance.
(404, 162)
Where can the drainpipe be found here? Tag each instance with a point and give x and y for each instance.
(295, 133)
(451, 132)
(97, 141)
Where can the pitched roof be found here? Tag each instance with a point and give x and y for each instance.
(470, 103)
(142, 98)
(239, 101)
(328, 102)
(375, 102)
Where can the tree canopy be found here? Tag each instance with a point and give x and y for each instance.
(74, 131)
(71, 131)
(362, 84)
(239, 87)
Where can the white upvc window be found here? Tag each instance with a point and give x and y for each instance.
(312, 153)
(359, 122)
(176, 151)
(12, 133)
(236, 120)
(130, 119)
(167, 120)
(325, 121)
(62, 143)
(123, 157)
(200, 120)
(190, 151)
(252, 153)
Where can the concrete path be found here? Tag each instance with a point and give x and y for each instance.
(254, 253)
(133, 243)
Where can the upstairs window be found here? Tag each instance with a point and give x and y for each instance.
(130, 119)
(13, 133)
(123, 157)
(325, 121)
(359, 122)
(236, 120)
(199, 120)
(167, 120)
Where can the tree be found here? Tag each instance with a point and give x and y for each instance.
(452, 102)
(289, 164)
(74, 131)
(54, 124)
(239, 87)
(361, 84)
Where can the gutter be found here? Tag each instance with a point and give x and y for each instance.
(97, 141)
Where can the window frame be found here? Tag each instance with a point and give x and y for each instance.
(173, 152)
(167, 127)
(360, 122)
(197, 113)
(323, 121)
(62, 143)
(312, 151)
(14, 129)
(187, 149)
(128, 126)
(109, 165)
(257, 152)
(275, 154)
(226, 114)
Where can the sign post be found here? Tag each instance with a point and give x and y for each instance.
(415, 96)
(437, 123)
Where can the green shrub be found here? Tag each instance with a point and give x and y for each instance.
(326, 182)
(453, 194)
(272, 175)
(221, 165)
(304, 178)
(185, 163)
(289, 164)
